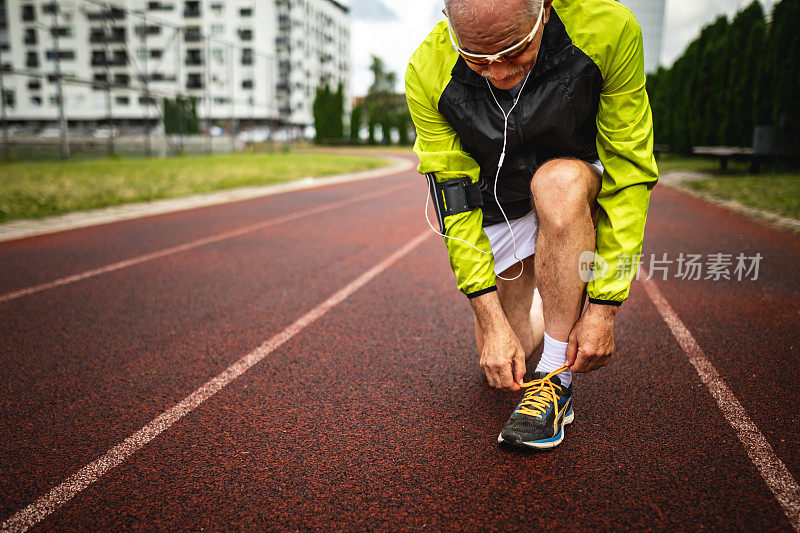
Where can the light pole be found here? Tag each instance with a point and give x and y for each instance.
(62, 117)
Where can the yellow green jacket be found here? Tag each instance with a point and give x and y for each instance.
(585, 98)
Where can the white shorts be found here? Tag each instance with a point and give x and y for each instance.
(526, 231)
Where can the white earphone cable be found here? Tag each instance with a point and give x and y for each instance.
(496, 179)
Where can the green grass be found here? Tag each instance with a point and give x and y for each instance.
(779, 193)
(35, 190)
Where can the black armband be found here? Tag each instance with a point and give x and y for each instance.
(453, 196)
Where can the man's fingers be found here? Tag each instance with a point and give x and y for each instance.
(507, 378)
(490, 377)
(590, 363)
(572, 349)
(519, 368)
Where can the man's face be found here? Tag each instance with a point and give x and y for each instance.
(498, 31)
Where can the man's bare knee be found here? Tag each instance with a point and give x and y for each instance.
(562, 189)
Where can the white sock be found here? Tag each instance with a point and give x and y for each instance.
(554, 357)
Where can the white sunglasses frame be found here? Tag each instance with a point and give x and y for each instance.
(496, 57)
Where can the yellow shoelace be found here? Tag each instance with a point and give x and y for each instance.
(540, 394)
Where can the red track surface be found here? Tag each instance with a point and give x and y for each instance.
(376, 416)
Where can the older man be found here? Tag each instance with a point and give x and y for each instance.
(535, 132)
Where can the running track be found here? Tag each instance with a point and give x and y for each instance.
(316, 370)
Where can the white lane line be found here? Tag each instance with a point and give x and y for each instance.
(189, 245)
(771, 468)
(90, 473)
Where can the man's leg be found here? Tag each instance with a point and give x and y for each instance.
(565, 194)
(516, 298)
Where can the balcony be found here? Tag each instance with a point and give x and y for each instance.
(117, 60)
(106, 14)
(194, 58)
(192, 35)
(100, 36)
(191, 10)
(28, 13)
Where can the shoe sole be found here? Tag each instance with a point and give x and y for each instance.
(540, 445)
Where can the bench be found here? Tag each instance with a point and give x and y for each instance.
(724, 153)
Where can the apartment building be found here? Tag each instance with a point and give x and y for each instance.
(651, 15)
(121, 57)
(313, 47)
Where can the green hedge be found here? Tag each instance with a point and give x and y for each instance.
(736, 75)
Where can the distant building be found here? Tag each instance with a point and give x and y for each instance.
(257, 60)
(313, 47)
(650, 14)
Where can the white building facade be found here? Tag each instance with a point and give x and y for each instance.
(313, 48)
(651, 15)
(121, 62)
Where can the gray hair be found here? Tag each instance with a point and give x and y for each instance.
(468, 9)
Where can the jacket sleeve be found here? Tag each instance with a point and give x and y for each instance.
(625, 147)
(440, 152)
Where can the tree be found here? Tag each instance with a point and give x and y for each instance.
(782, 57)
(733, 77)
(180, 116)
(356, 119)
(327, 109)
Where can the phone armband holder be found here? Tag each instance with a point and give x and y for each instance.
(454, 196)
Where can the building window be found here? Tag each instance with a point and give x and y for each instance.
(122, 79)
(246, 12)
(156, 54)
(34, 85)
(217, 7)
(147, 100)
(150, 29)
(217, 29)
(49, 9)
(36, 101)
(192, 34)
(160, 6)
(32, 60)
(246, 34)
(9, 98)
(247, 84)
(247, 56)
(30, 36)
(64, 55)
(122, 100)
(28, 13)
(194, 81)
(218, 54)
(194, 57)
(61, 31)
(192, 9)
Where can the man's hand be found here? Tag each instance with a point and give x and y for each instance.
(591, 342)
(502, 358)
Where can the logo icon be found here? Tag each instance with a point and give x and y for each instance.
(589, 263)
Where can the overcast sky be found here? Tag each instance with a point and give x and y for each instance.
(392, 30)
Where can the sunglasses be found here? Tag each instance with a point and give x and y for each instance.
(509, 54)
